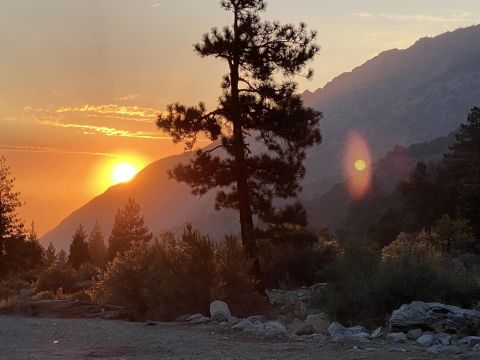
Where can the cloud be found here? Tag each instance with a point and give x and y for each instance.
(111, 109)
(50, 150)
(156, 5)
(107, 131)
(129, 97)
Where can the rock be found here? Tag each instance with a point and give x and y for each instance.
(306, 330)
(320, 322)
(182, 318)
(274, 329)
(296, 325)
(299, 299)
(445, 349)
(198, 319)
(242, 325)
(414, 334)
(425, 340)
(335, 329)
(397, 337)
(476, 348)
(360, 335)
(232, 321)
(377, 333)
(219, 311)
(256, 319)
(470, 340)
(436, 317)
(356, 329)
(442, 339)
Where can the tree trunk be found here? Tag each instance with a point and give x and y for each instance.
(246, 217)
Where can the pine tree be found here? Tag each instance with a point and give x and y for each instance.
(96, 246)
(79, 254)
(62, 259)
(50, 255)
(259, 105)
(462, 170)
(129, 227)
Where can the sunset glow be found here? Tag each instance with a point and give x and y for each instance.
(357, 170)
(124, 173)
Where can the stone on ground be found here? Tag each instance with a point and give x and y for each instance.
(219, 311)
(414, 334)
(397, 337)
(320, 322)
(425, 340)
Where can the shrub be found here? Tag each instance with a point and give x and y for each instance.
(57, 277)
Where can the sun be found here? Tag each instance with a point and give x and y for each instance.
(360, 165)
(124, 172)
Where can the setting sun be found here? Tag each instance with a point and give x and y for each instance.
(360, 165)
(124, 172)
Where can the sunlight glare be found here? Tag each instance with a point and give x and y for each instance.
(357, 169)
(124, 172)
(360, 165)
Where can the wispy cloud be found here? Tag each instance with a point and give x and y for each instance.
(107, 131)
(453, 17)
(129, 97)
(111, 109)
(156, 5)
(50, 150)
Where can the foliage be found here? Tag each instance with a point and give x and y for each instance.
(96, 246)
(258, 106)
(79, 253)
(57, 277)
(366, 288)
(50, 255)
(129, 228)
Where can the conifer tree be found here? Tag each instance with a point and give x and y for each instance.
(129, 227)
(79, 254)
(96, 246)
(462, 169)
(260, 123)
(50, 255)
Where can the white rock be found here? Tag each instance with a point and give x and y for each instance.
(219, 311)
(256, 319)
(335, 329)
(397, 337)
(320, 322)
(242, 325)
(377, 333)
(425, 340)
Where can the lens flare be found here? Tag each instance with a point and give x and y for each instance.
(357, 169)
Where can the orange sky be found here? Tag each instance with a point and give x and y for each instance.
(81, 81)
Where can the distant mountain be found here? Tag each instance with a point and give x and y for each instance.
(399, 97)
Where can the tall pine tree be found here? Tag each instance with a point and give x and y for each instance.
(128, 228)
(96, 246)
(79, 254)
(260, 106)
(462, 169)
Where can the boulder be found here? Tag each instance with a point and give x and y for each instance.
(256, 319)
(397, 337)
(436, 317)
(182, 318)
(320, 322)
(242, 325)
(305, 330)
(414, 334)
(219, 311)
(425, 340)
(267, 329)
(295, 326)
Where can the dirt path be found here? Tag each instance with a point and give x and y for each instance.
(34, 338)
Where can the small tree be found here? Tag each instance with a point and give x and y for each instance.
(96, 246)
(79, 254)
(129, 227)
(258, 106)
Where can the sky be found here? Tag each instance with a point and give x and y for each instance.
(81, 81)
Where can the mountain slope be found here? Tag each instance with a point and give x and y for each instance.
(399, 97)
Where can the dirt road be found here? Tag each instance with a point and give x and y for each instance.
(34, 338)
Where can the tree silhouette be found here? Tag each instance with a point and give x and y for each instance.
(96, 246)
(129, 227)
(260, 123)
(79, 254)
(462, 169)
(50, 255)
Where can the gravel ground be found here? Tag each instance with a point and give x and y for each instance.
(35, 338)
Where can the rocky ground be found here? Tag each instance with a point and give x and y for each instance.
(40, 338)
